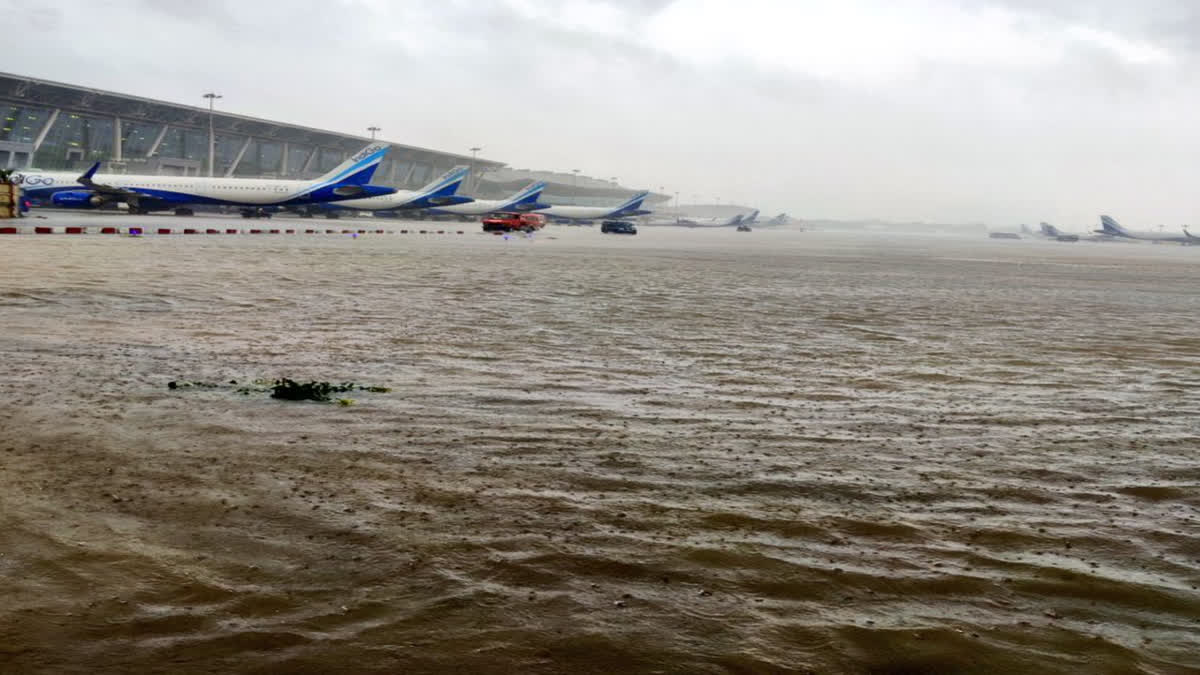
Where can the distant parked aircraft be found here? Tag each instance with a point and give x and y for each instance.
(1112, 227)
(627, 209)
(524, 200)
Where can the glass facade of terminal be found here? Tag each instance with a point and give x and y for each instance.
(74, 141)
(21, 125)
(297, 158)
(182, 144)
(328, 159)
(138, 137)
(262, 158)
(54, 126)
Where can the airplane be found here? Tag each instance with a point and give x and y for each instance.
(439, 192)
(781, 219)
(751, 219)
(723, 222)
(1113, 228)
(631, 207)
(1051, 232)
(739, 219)
(677, 220)
(144, 194)
(524, 200)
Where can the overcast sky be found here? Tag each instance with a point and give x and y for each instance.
(995, 111)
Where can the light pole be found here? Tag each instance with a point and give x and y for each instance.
(212, 139)
(575, 187)
(373, 130)
(474, 174)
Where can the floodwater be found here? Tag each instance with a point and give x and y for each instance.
(682, 452)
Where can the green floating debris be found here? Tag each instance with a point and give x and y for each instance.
(289, 390)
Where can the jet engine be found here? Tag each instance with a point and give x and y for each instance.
(76, 199)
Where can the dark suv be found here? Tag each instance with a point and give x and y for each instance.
(617, 227)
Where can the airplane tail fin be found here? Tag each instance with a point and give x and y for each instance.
(1111, 226)
(736, 220)
(527, 198)
(446, 184)
(1050, 230)
(634, 203)
(86, 177)
(752, 218)
(359, 168)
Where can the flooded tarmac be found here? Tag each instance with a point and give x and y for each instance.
(684, 452)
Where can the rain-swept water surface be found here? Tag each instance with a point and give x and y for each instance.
(685, 451)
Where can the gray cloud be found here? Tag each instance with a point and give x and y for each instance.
(936, 111)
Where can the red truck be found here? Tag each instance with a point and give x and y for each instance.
(514, 222)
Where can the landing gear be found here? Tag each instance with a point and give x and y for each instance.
(256, 213)
(184, 211)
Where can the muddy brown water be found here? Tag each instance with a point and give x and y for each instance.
(684, 452)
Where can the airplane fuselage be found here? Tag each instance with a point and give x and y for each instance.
(397, 201)
(479, 207)
(1153, 236)
(579, 212)
(631, 208)
(172, 190)
(1111, 227)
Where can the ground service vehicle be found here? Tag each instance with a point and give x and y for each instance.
(513, 222)
(617, 227)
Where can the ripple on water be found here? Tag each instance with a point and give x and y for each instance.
(796, 452)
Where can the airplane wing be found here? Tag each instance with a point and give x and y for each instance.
(108, 192)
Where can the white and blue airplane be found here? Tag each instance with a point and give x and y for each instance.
(440, 192)
(143, 194)
(1111, 227)
(1051, 232)
(522, 201)
(735, 221)
(629, 208)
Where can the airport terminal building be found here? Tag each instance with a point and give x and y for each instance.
(64, 127)
(55, 126)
